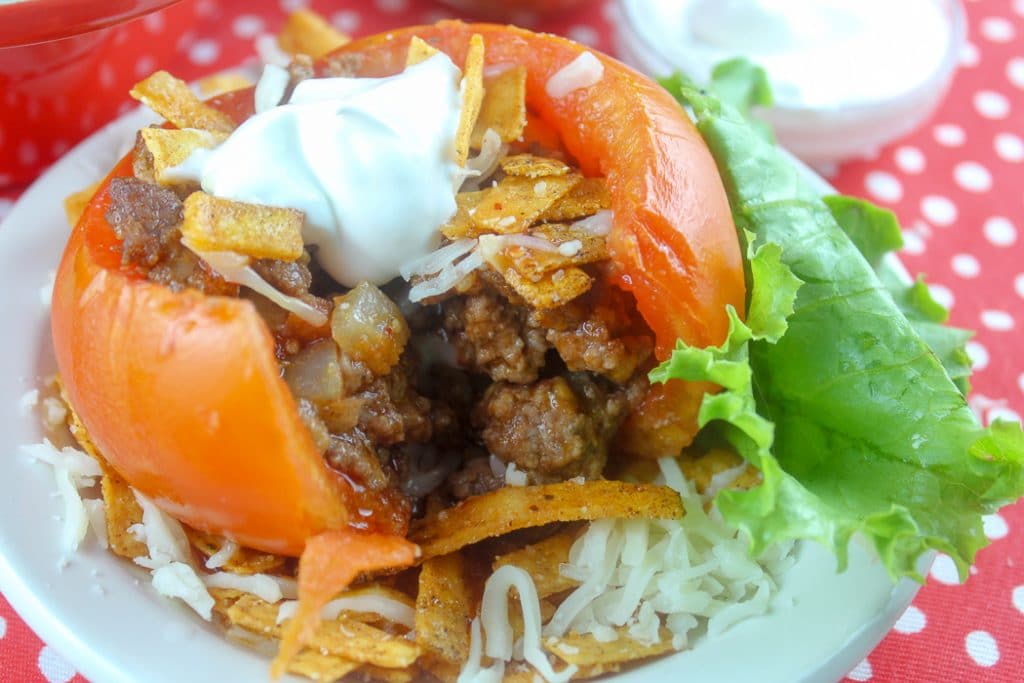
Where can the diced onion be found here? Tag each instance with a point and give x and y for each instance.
(447, 278)
(584, 71)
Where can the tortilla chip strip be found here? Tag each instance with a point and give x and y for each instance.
(517, 203)
(532, 166)
(214, 224)
(585, 650)
(584, 199)
(330, 562)
(444, 608)
(419, 51)
(122, 512)
(75, 203)
(519, 507)
(170, 147)
(378, 673)
(171, 98)
(306, 32)
(535, 264)
(554, 289)
(244, 560)
(461, 224)
(472, 96)
(541, 561)
(701, 469)
(344, 637)
(218, 84)
(503, 109)
(322, 668)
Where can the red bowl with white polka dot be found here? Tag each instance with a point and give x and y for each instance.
(62, 72)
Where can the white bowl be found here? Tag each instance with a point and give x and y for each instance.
(101, 613)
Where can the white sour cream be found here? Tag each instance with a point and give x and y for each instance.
(369, 161)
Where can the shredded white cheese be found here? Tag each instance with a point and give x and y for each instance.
(366, 603)
(600, 224)
(439, 259)
(260, 585)
(95, 509)
(483, 165)
(164, 537)
(28, 401)
(235, 268)
(223, 554)
(179, 580)
(584, 71)
(448, 277)
(54, 412)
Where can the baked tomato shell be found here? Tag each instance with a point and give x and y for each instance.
(182, 392)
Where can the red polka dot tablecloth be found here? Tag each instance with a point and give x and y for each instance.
(957, 185)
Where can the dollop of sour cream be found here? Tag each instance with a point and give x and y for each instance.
(369, 161)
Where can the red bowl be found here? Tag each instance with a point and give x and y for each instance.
(62, 73)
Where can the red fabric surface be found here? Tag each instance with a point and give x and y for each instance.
(956, 186)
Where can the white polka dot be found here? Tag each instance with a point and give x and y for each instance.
(944, 570)
(997, 321)
(861, 672)
(1009, 147)
(582, 33)
(969, 55)
(949, 134)
(145, 66)
(393, 6)
(972, 176)
(27, 153)
(995, 527)
(247, 26)
(1015, 71)
(911, 621)
(997, 29)
(346, 21)
(883, 186)
(1018, 7)
(909, 159)
(991, 105)
(943, 295)
(204, 52)
(1002, 413)
(1020, 382)
(292, 5)
(978, 354)
(1018, 284)
(3, 627)
(107, 76)
(1018, 598)
(938, 209)
(965, 265)
(205, 8)
(154, 22)
(912, 243)
(54, 667)
(1000, 231)
(982, 648)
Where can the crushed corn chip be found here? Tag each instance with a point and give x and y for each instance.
(213, 224)
(554, 289)
(243, 561)
(587, 651)
(170, 147)
(508, 509)
(306, 32)
(503, 109)
(532, 166)
(419, 51)
(541, 561)
(472, 96)
(218, 84)
(584, 199)
(75, 203)
(342, 637)
(444, 608)
(461, 224)
(123, 512)
(577, 248)
(322, 668)
(517, 203)
(171, 98)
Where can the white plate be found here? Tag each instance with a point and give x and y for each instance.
(101, 613)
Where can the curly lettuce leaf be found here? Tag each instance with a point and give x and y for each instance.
(850, 416)
(745, 86)
(876, 232)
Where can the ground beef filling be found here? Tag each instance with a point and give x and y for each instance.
(483, 383)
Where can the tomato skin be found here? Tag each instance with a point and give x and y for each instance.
(673, 240)
(182, 394)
